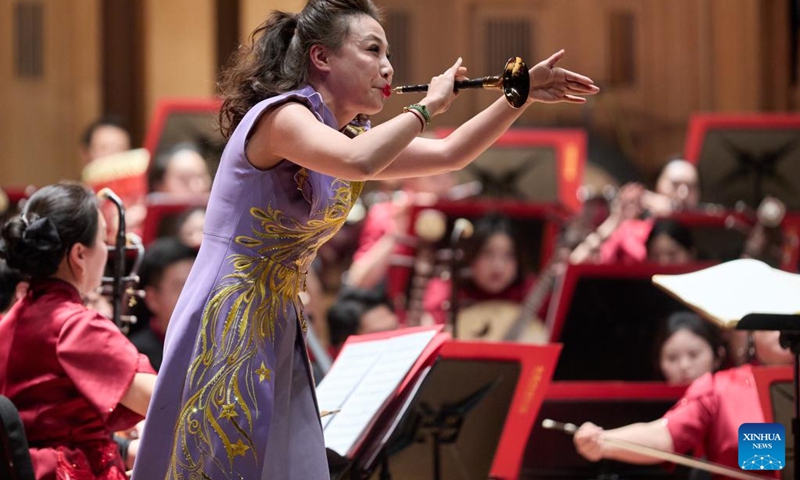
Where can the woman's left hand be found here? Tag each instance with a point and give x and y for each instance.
(551, 84)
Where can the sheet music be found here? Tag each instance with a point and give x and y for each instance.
(351, 365)
(727, 292)
(389, 361)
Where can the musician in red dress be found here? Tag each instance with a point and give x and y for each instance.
(73, 376)
(706, 419)
(495, 274)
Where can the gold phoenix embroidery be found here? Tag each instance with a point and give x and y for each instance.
(260, 290)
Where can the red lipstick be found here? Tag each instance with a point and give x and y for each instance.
(387, 91)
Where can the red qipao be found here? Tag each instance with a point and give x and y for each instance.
(708, 416)
(66, 368)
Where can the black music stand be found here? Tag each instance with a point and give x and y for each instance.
(450, 423)
(789, 328)
(746, 157)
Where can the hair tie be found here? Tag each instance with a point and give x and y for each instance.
(40, 235)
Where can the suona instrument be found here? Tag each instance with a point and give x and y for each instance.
(515, 83)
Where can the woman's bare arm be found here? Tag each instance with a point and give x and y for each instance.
(137, 398)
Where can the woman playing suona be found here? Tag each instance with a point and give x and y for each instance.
(73, 376)
(235, 398)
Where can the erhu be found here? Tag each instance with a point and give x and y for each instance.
(120, 286)
(515, 83)
(651, 452)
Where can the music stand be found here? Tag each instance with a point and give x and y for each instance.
(531, 165)
(746, 157)
(601, 308)
(551, 455)
(775, 394)
(178, 120)
(468, 416)
(789, 328)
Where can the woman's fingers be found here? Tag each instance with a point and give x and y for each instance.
(455, 66)
(574, 99)
(441, 90)
(578, 79)
(554, 58)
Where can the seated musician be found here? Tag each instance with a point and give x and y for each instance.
(103, 137)
(688, 347)
(495, 274)
(166, 266)
(387, 222)
(359, 311)
(180, 171)
(621, 237)
(73, 376)
(670, 243)
(189, 228)
(708, 416)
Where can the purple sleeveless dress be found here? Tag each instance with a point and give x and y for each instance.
(235, 397)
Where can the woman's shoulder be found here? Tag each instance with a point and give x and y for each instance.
(53, 296)
(82, 325)
(50, 309)
(741, 375)
(722, 382)
(61, 302)
(305, 95)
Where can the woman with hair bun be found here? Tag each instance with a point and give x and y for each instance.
(73, 376)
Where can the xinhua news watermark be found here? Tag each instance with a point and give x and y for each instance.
(762, 446)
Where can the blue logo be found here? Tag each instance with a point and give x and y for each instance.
(762, 446)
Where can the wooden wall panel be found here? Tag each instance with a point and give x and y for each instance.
(255, 12)
(180, 49)
(7, 172)
(433, 49)
(690, 55)
(43, 117)
(775, 51)
(735, 40)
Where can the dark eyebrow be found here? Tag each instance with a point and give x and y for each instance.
(375, 38)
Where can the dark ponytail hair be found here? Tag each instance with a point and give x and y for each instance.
(54, 219)
(277, 59)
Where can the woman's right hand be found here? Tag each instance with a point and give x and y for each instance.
(588, 440)
(441, 90)
(628, 202)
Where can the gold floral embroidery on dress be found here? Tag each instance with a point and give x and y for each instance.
(260, 290)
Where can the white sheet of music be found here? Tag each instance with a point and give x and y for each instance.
(360, 383)
(354, 361)
(729, 291)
